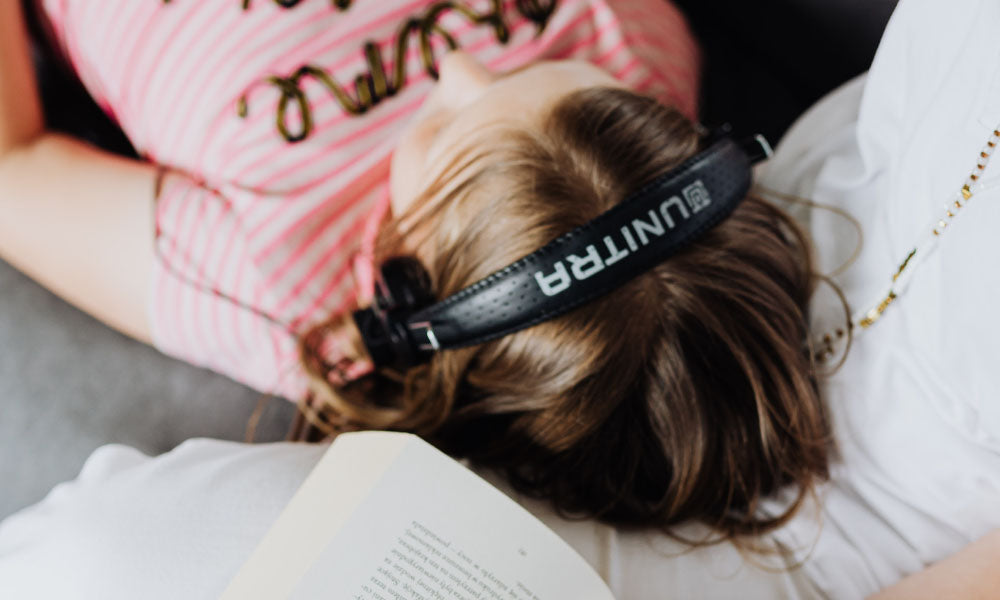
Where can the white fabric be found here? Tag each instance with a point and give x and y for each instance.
(180, 525)
(915, 410)
(916, 406)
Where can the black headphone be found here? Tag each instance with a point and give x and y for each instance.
(404, 327)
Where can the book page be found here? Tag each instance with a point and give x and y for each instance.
(337, 485)
(430, 529)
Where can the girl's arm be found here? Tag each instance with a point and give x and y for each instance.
(972, 573)
(20, 107)
(76, 219)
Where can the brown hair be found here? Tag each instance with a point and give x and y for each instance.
(687, 394)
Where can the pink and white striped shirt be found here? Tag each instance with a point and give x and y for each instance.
(251, 224)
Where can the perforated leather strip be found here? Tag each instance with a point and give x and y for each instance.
(590, 261)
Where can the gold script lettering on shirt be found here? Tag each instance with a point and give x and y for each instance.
(375, 84)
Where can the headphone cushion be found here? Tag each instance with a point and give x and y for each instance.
(405, 284)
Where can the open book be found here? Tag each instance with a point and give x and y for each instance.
(388, 516)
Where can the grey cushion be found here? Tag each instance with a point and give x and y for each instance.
(68, 384)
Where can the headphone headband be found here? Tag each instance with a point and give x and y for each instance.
(650, 225)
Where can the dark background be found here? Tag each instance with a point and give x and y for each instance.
(767, 61)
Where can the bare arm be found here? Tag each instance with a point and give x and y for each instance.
(76, 219)
(20, 107)
(972, 573)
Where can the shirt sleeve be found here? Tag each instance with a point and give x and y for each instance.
(208, 304)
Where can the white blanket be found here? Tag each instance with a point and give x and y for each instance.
(916, 407)
(180, 525)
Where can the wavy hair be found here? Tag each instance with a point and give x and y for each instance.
(687, 394)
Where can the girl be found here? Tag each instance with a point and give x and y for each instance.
(285, 158)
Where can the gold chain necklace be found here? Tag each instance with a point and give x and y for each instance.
(825, 347)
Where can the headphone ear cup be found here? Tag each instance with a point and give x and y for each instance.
(403, 288)
(404, 284)
(376, 336)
